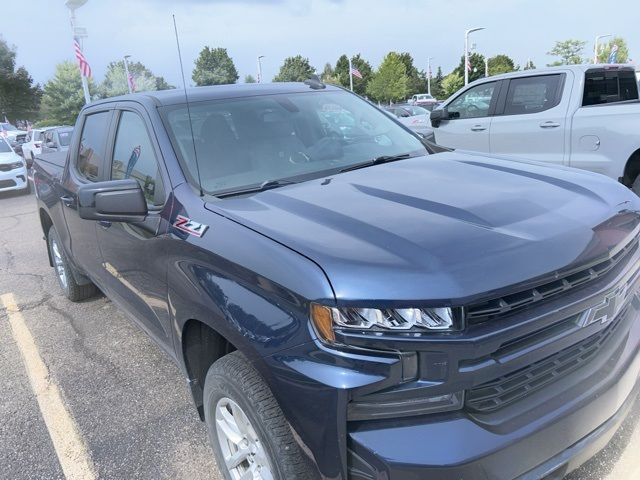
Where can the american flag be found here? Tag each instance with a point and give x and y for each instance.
(132, 82)
(356, 73)
(85, 69)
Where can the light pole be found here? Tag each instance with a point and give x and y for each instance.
(260, 57)
(466, 52)
(126, 71)
(486, 67)
(78, 32)
(595, 45)
(429, 75)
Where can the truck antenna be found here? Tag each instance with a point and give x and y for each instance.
(186, 99)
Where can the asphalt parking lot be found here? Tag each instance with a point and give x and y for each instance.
(128, 401)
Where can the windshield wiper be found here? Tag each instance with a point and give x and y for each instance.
(377, 161)
(261, 187)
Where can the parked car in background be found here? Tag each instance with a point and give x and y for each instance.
(423, 99)
(13, 169)
(345, 302)
(32, 145)
(584, 116)
(414, 117)
(56, 139)
(13, 135)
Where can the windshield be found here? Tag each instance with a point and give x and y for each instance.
(413, 110)
(65, 137)
(7, 126)
(4, 146)
(248, 141)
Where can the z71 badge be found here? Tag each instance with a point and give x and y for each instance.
(187, 225)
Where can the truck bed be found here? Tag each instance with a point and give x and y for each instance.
(51, 164)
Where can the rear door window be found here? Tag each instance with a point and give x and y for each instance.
(92, 147)
(532, 94)
(609, 86)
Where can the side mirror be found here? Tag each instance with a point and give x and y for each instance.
(437, 116)
(113, 201)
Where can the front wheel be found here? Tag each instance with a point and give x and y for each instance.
(250, 437)
(66, 279)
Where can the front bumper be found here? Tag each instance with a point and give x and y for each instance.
(15, 179)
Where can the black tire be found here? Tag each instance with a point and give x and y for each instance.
(72, 290)
(233, 377)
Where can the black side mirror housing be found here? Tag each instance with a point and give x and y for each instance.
(438, 116)
(113, 201)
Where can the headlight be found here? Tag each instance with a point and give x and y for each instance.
(329, 319)
(14, 165)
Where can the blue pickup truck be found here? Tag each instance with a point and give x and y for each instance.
(350, 301)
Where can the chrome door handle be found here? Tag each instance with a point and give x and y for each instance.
(478, 128)
(549, 124)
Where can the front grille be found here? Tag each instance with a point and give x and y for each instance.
(514, 386)
(7, 183)
(481, 312)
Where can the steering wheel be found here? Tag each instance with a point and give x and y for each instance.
(298, 158)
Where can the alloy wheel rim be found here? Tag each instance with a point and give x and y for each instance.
(244, 454)
(58, 263)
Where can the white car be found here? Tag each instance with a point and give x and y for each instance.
(13, 169)
(423, 99)
(584, 116)
(32, 145)
(11, 133)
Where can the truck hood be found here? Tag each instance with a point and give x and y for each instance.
(451, 227)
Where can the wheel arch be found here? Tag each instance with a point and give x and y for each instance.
(631, 169)
(201, 347)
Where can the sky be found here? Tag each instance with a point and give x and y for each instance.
(321, 30)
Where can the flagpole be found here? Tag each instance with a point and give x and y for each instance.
(85, 82)
(126, 72)
(429, 75)
(350, 75)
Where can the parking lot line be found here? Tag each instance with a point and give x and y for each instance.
(65, 436)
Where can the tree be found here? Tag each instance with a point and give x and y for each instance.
(529, 65)
(214, 66)
(436, 84)
(63, 97)
(452, 83)
(329, 75)
(477, 67)
(390, 83)
(161, 84)
(417, 81)
(605, 51)
(501, 64)
(295, 69)
(19, 97)
(569, 51)
(115, 80)
(364, 67)
(249, 79)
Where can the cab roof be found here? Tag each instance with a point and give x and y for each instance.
(217, 92)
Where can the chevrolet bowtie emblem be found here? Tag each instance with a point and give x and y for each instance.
(607, 310)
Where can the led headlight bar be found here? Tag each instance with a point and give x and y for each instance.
(327, 319)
